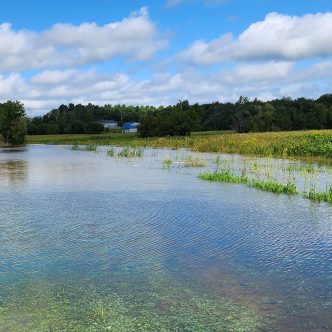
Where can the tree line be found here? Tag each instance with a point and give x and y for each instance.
(181, 119)
(244, 116)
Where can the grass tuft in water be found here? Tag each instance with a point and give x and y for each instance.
(129, 152)
(194, 162)
(319, 196)
(223, 175)
(167, 163)
(90, 148)
(75, 147)
(111, 153)
(274, 186)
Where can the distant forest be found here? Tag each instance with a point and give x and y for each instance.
(181, 119)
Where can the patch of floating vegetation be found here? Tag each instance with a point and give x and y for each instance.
(164, 305)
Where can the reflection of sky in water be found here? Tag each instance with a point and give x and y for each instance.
(83, 216)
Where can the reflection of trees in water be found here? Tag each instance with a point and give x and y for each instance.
(13, 170)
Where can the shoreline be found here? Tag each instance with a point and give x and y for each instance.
(301, 145)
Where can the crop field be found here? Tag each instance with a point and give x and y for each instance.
(297, 144)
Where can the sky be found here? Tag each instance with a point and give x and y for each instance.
(157, 52)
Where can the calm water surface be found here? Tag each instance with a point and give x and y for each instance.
(91, 243)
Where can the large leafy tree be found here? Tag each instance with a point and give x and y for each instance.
(13, 126)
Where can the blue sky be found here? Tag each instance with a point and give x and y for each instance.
(157, 52)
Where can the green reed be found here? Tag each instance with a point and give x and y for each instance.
(129, 152)
(89, 148)
(270, 184)
(191, 161)
(319, 196)
(223, 175)
(167, 163)
(111, 153)
(274, 186)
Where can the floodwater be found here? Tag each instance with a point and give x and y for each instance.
(92, 243)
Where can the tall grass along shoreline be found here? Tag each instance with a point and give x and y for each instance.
(298, 144)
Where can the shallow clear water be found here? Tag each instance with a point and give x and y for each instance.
(91, 243)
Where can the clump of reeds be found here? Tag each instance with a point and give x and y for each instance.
(111, 153)
(91, 148)
(274, 186)
(75, 147)
(194, 162)
(167, 163)
(129, 152)
(319, 196)
(223, 175)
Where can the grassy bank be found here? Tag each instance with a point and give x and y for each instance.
(298, 144)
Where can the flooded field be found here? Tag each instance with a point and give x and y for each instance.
(132, 240)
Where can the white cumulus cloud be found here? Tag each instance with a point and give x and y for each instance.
(133, 38)
(278, 37)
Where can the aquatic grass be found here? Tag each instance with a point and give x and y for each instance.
(88, 148)
(167, 163)
(194, 162)
(271, 185)
(188, 161)
(75, 147)
(223, 175)
(274, 187)
(120, 306)
(131, 152)
(111, 153)
(319, 196)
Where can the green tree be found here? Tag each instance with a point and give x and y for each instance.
(13, 125)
